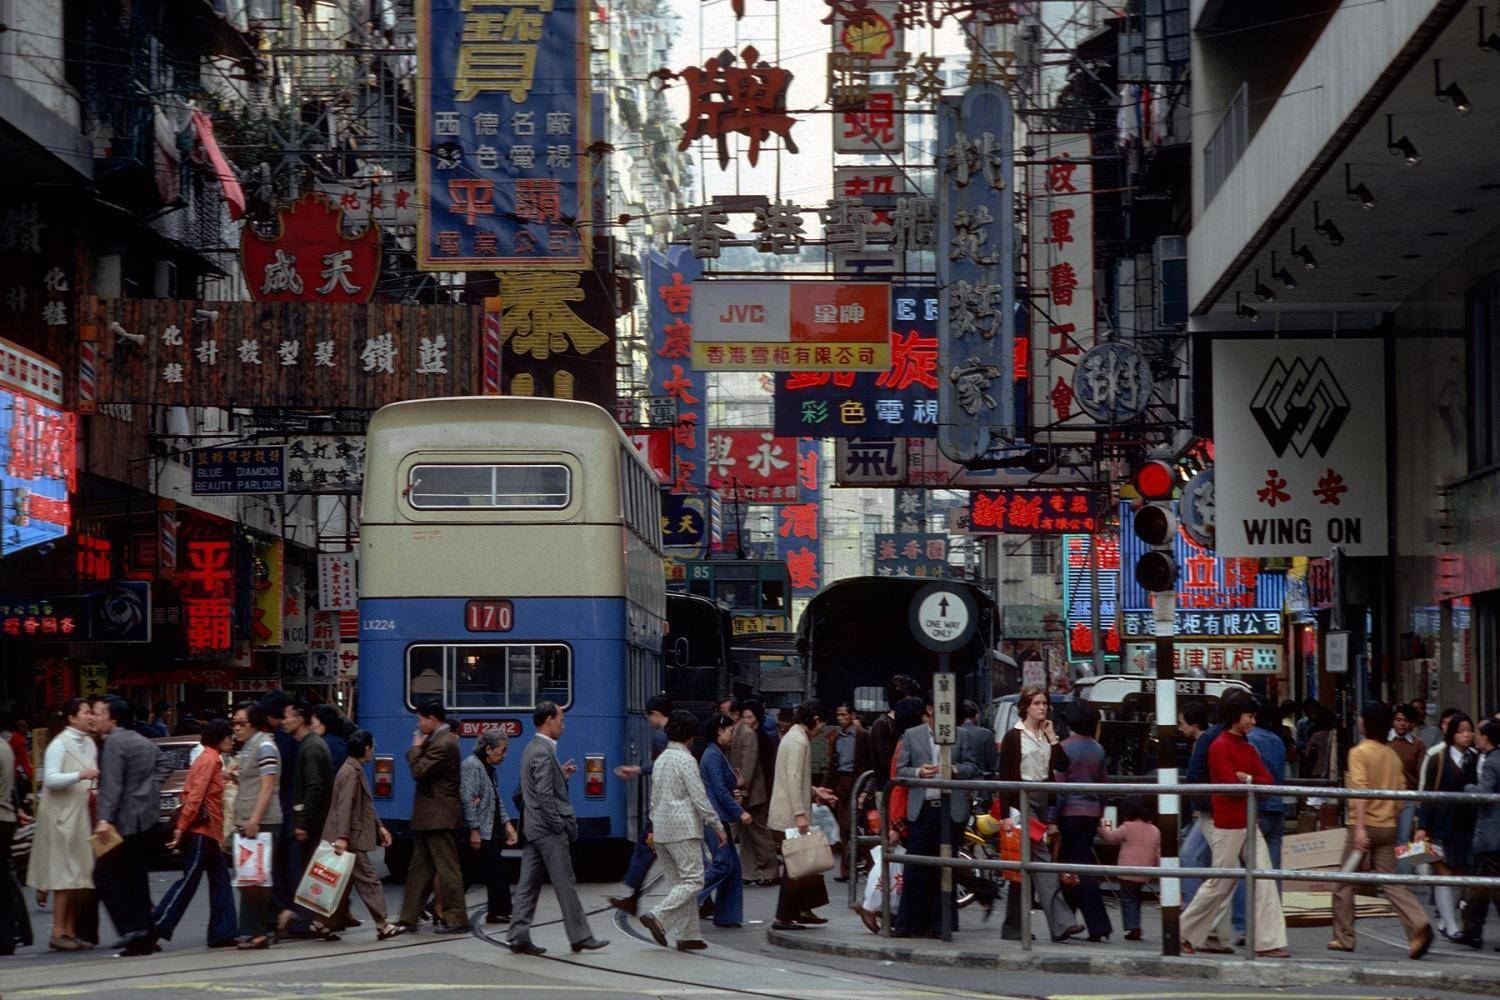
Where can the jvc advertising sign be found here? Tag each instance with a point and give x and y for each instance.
(1299, 433)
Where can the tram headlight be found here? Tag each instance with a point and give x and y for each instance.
(385, 777)
(593, 776)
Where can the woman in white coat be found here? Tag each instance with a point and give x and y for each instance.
(62, 861)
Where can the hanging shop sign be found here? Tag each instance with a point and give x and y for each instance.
(799, 536)
(1112, 383)
(670, 281)
(205, 581)
(120, 611)
(910, 509)
(38, 452)
(1217, 597)
(1078, 595)
(900, 401)
(504, 131)
(918, 461)
(323, 632)
(374, 199)
(791, 326)
(731, 94)
(322, 463)
(337, 587)
(655, 446)
(661, 411)
(285, 354)
(268, 586)
(685, 518)
(1060, 193)
(1299, 447)
(249, 469)
(557, 334)
(911, 553)
(869, 32)
(1229, 658)
(880, 189)
(975, 263)
(1033, 512)
(752, 465)
(294, 612)
(1195, 509)
(875, 125)
(308, 257)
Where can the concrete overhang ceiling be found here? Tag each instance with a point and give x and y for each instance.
(1436, 222)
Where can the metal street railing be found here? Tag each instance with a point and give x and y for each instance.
(1249, 874)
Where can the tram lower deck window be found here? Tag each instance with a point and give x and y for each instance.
(489, 487)
(495, 676)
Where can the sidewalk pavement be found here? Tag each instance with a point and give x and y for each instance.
(1380, 960)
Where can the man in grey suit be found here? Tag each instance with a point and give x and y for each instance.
(920, 913)
(550, 827)
(977, 742)
(131, 771)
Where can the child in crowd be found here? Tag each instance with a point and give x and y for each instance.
(1140, 846)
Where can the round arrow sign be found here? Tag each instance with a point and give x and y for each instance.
(943, 617)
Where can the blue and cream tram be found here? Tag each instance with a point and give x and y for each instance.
(510, 553)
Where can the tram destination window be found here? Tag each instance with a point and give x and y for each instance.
(489, 487)
(495, 676)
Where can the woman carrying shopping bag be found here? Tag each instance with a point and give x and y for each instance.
(257, 810)
(353, 826)
(792, 795)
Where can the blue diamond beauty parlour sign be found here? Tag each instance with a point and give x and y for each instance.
(1299, 433)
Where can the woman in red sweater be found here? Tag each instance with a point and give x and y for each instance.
(199, 831)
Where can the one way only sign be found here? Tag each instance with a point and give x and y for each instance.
(943, 616)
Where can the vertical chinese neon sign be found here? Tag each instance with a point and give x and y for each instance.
(207, 587)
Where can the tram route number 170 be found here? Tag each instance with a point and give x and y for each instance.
(489, 616)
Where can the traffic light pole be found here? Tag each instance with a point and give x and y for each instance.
(1165, 612)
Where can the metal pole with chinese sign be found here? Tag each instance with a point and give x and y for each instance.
(943, 618)
(1166, 766)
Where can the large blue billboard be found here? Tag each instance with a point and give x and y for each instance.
(503, 130)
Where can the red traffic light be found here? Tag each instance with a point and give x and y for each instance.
(1154, 480)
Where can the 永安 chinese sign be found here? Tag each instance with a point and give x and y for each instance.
(1078, 594)
(669, 294)
(975, 261)
(336, 582)
(1300, 447)
(799, 541)
(247, 469)
(1217, 597)
(37, 451)
(791, 326)
(752, 466)
(503, 130)
(1033, 512)
(911, 553)
(282, 354)
(308, 257)
(900, 401)
(205, 581)
(1060, 190)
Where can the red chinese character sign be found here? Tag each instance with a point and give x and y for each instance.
(37, 452)
(1060, 194)
(1033, 512)
(307, 256)
(799, 536)
(752, 466)
(1078, 594)
(669, 297)
(205, 581)
(728, 95)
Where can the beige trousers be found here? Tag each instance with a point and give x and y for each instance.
(1198, 919)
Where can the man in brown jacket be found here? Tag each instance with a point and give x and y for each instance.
(437, 811)
(757, 850)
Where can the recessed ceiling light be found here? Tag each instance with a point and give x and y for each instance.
(1384, 277)
(1462, 211)
(1365, 295)
(1410, 256)
(1437, 232)
(1490, 187)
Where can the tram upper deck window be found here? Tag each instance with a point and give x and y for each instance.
(489, 487)
(495, 676)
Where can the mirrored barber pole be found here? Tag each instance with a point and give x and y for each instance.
(975, 254)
